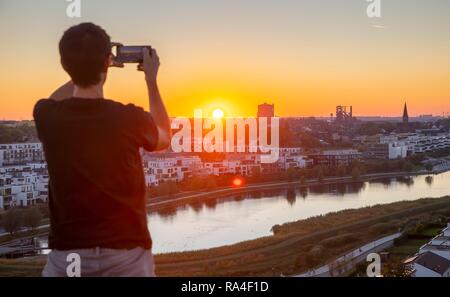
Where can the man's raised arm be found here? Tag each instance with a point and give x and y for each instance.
(63, 92)
(158, 111)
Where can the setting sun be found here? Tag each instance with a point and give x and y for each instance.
(218, 113)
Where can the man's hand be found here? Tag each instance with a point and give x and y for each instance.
(150, 65)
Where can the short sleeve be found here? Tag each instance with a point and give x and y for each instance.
(39, 115)
(38, 108)
(144, 127)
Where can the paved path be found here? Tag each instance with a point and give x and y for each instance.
(27, 229)
(349, 260)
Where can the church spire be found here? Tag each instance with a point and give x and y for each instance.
(405, 114)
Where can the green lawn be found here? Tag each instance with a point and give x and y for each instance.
(409, 247)
(431, 232)
(31, 266)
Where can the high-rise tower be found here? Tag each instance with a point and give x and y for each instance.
(266, 110)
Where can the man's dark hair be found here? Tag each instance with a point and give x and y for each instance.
(84, 51)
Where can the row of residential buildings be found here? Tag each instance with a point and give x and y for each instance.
(162, 167)
(18, 180)
(401, 145)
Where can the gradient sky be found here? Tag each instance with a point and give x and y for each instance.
(306, 56)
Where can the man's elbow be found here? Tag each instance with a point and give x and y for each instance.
(164, 140)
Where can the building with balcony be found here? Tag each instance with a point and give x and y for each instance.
(163, 167)
(334, 158)
(23, 185)
(433, 258)
(20, 153)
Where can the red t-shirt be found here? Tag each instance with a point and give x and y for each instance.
(97, 185)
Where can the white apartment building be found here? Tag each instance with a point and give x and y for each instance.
(429, 264)
(397, 150)
(292, 157)
(285, 162)
(433, 258)
(422, 143)
(20, 153)
(395, 146)
(238, 164)
(290, 151)
(22, 186)
(169, 167)
(439, 245)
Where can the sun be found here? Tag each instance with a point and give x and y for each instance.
(218, 113)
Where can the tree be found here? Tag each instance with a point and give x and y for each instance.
(167, 188)
(341, 170)
(356, 173)
(32, 217)
(302, 180)
(291, 173)
(12, 220)
(429, 167)
(419, 228)
(210, 183)
(395, 268)
(319, 172)
(196, 183)
(256, 172)
(408, 166)
(320, 176)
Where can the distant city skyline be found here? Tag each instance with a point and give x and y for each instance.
(306, 57)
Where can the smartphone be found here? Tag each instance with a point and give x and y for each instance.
(130, 53)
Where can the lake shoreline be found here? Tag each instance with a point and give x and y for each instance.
(170, 202)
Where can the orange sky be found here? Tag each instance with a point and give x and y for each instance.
(303, 57)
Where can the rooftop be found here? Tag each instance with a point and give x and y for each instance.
(339, 152)
(433, 262)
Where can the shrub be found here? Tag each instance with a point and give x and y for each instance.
(338, 240)
(32, 217)
(12, 220)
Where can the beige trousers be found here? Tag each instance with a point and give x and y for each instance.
(100, 262)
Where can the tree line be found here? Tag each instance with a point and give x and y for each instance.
(14, 219)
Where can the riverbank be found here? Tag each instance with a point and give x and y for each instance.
(158, 203)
